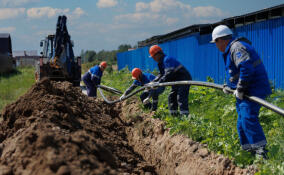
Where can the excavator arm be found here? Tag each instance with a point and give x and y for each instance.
(58, 50)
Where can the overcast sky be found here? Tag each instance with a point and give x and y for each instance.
(105, 24)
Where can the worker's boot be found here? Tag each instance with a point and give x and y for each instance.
(148, 105)
(261, 152)
(154, 106)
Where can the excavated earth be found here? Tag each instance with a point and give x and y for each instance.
(55, 129)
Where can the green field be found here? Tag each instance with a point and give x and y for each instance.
(15, 84)
(213, 119)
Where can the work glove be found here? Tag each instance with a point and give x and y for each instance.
(151, 85)
(238, 94)
(225, 87)
(146, 100)
(122, 97)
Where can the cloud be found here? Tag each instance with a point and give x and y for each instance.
(171, 21)
(163, 5)
(78, 12)
(45, 12)
(207, 11)
(16, 2)
(161, 11)
(7, 13)
(170, 12)
(137, 17)
(7, 29)
(106, 3)
(140, 6)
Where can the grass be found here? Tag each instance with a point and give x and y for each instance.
(15, 84)
(213, 123)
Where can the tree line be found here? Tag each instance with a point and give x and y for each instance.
(91, 56)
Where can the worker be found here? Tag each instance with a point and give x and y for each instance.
(92, 78)
(141, 79)
(246, 74)
(172, 70)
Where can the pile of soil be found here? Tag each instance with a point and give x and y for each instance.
(55, 129)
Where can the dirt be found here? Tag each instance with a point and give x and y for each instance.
(55, 129)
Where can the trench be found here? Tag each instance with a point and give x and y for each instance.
(171, 154)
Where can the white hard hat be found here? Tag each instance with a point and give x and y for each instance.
(220, 31)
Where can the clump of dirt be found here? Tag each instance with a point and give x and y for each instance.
(55, 129)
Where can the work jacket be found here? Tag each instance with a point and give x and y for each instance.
(171, 70)
(96, 74)
(244, 69)
(146, 78)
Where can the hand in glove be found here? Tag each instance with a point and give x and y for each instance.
(151, 85)
(225, 89)
(239, 95)
(122, 97)
(146, 100)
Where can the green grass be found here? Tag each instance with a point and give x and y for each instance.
(15, 84)
(214, 121)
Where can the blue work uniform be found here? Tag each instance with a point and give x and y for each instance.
(92, 78)
(172, 70)
(154, 93)
(246, 73)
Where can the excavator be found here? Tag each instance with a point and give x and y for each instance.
(57, 60)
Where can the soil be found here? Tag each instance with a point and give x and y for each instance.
(55, 129)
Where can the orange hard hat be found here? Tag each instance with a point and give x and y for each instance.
(154, 50)
(103, 64)
(136, 73)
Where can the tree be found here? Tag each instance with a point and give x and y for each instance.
(90, 55)
(123, 47)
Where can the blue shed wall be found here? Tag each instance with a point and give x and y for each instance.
(203, 59)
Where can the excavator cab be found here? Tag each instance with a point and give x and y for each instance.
(57, 60)
(47, 44)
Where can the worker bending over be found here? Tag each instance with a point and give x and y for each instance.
(141, 79)
(172, 70)
(92, 78)
(245, 73)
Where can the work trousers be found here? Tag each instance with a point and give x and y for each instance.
(178, 97)
(154, 93)
(249, 129)
(91, 86)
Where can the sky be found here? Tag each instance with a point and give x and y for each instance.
(105, 24)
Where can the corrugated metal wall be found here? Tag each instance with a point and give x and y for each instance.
(203, 59)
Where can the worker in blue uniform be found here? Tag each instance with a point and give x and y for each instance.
(172, 70)
(246, 74)
(141, 79)
(92, 78)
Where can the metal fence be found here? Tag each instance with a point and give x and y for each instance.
(203, 59)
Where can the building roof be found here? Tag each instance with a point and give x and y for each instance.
(23, 53)
(232, 22)
(5, 43)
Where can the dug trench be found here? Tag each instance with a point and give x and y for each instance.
(55, 129)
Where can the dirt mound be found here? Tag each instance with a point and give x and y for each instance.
(55, 129)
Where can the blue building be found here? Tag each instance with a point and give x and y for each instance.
(190, 45)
